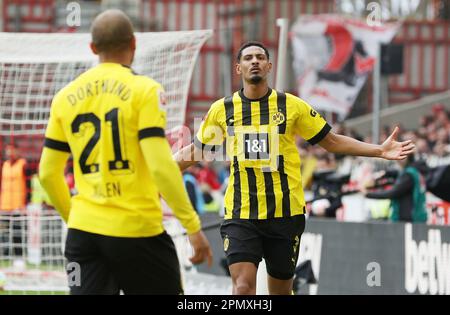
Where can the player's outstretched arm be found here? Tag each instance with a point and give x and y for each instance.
(391, 149)
(51, 176)
(169, 181)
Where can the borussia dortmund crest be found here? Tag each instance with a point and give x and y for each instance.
(278, 118)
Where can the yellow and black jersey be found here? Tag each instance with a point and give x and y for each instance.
(265, 180)
(100, 118)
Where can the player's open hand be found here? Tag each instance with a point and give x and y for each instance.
(201, 248)
(395, 150)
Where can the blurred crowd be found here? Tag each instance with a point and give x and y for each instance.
(328, 177)
(362, 175)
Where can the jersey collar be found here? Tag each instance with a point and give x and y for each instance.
(241, 94)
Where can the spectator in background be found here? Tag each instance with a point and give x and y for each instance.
(423, 149)
(223, 175)
(210, 186)
(441, 155)
(14, 197)
(207, 175)
(14, 192)
(442, 136)
(327, 193)
(431, 134)
(424, 121)
(440, 115)
(407, 194)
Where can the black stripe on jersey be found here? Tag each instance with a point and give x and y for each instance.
(246, 150)
(229, 112)
(204, 147)
(322, 133)
(151, 132)
(56, 145)
(253, 192)
(237, 203)
(281, 104)
(270, 195)
(284, 187)
(246, 113)
(264, 112)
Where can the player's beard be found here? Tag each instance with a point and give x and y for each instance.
(255, 79)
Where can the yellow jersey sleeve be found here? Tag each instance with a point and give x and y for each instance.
(168, 178)
(152, 117)
(55, 137)
(211, 133)
(310, 125)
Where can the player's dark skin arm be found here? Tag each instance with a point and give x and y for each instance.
(186, 157)
(389, 150)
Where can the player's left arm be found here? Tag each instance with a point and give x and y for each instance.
(53, 161)
(313, 127)
(391, 149)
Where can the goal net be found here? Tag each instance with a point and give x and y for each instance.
(31, 252)
(33, 68)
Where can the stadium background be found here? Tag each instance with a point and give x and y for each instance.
(422, 87)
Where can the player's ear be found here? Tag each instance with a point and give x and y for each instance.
(238, 69)
(93, 48)
(270, 66)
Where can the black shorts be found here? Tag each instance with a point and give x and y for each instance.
(144, 265)
(276, 240)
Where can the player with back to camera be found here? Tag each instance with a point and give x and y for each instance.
(112, 121)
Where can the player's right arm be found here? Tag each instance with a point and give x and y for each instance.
(209, 136)
(54, 156)
(167, 175)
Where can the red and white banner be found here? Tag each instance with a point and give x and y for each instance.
(332, 57)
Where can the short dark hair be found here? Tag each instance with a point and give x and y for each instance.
(252, 43)
(112, 31)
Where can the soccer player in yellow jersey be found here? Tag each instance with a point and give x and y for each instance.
(112, 121)
(264, 203)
